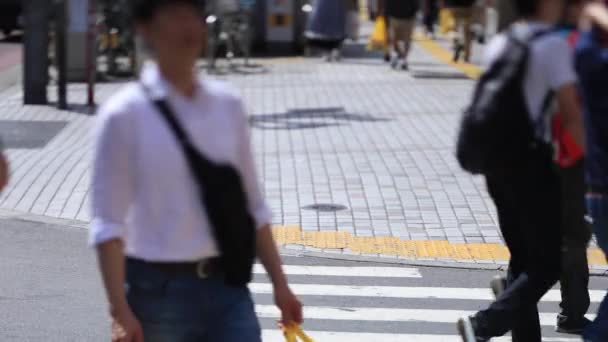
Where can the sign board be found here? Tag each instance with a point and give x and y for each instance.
(78, 15)
(280, 21)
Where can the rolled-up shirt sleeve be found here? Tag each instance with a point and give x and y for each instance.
(112, 183)
(257, 204)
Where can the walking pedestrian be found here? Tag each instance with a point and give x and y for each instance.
(464, 12)
(576, 232)
(326, 27)
(178, 215)
(431, 15)
(401, 18)
(574, 280)
(527, 190)
(592, 68)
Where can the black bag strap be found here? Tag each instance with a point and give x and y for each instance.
(523, 35)
(182, 137)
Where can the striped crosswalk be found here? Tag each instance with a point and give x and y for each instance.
(359, 303)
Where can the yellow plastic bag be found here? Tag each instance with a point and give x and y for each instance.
(379, 39)
(293, 332)
(447, 23)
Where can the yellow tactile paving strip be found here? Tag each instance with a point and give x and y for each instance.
(472, 71)
(403, 248)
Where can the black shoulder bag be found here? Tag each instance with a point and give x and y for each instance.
(223, 195)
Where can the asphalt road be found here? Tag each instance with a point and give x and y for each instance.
(50, 291)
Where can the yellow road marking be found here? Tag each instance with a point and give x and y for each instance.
(291, 235)
(439, 52)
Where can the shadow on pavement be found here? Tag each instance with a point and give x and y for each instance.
(237, 69)
(439, 75)
(309, 119)
(78, 108)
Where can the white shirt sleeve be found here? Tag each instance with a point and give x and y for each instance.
(560, 70)
(494, 49)
(113, 181)
(257, 205)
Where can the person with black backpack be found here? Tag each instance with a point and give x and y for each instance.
(178, 215)
(505, 136)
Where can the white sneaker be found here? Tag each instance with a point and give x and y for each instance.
(498, 285)
(467, 332)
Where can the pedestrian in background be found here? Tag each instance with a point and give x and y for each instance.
(401, 19)
(574, 280)
(592, 68)
(526, 192)
(431, 15)
(170, 271)
(326, 27)
(576, 232)
(463, 12)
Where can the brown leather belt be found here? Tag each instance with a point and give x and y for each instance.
(202, 269)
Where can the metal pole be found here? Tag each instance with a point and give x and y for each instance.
(35, 71)
(90, 54)
(61, 53)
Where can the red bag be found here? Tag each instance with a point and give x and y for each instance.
(568, 151)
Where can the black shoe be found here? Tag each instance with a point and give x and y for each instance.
(571, 326)
(466, 329)
(498, 285)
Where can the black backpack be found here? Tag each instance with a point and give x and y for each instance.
(496, 131)
(223, 195)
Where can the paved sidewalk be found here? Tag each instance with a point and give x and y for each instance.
(374, 142)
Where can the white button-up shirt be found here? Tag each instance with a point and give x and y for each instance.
(143, 191)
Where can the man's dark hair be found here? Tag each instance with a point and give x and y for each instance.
(527, 8)
(144, 10)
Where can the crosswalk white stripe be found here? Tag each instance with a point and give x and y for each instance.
(405, 292)
(388, 272)
(325, 336)
(382, 314)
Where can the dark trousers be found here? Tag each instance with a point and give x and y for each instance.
(576, 232)
(528, 204)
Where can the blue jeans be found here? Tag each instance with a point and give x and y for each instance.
(598, 209)
(184, 308)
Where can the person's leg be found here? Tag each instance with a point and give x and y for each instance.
(459, 34)
(165, 315)
(534, 193)
(506, 199)
(576, 231)
(598, 210)
(467, 18)
(397, 38)
(408, 32)
(237, 320)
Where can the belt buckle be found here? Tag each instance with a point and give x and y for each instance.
(200, 269)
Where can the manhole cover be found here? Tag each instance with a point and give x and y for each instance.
(325, 207)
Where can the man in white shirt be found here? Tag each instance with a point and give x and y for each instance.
(527, 197)
(150, 229)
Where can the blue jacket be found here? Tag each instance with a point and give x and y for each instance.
(592, 67)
